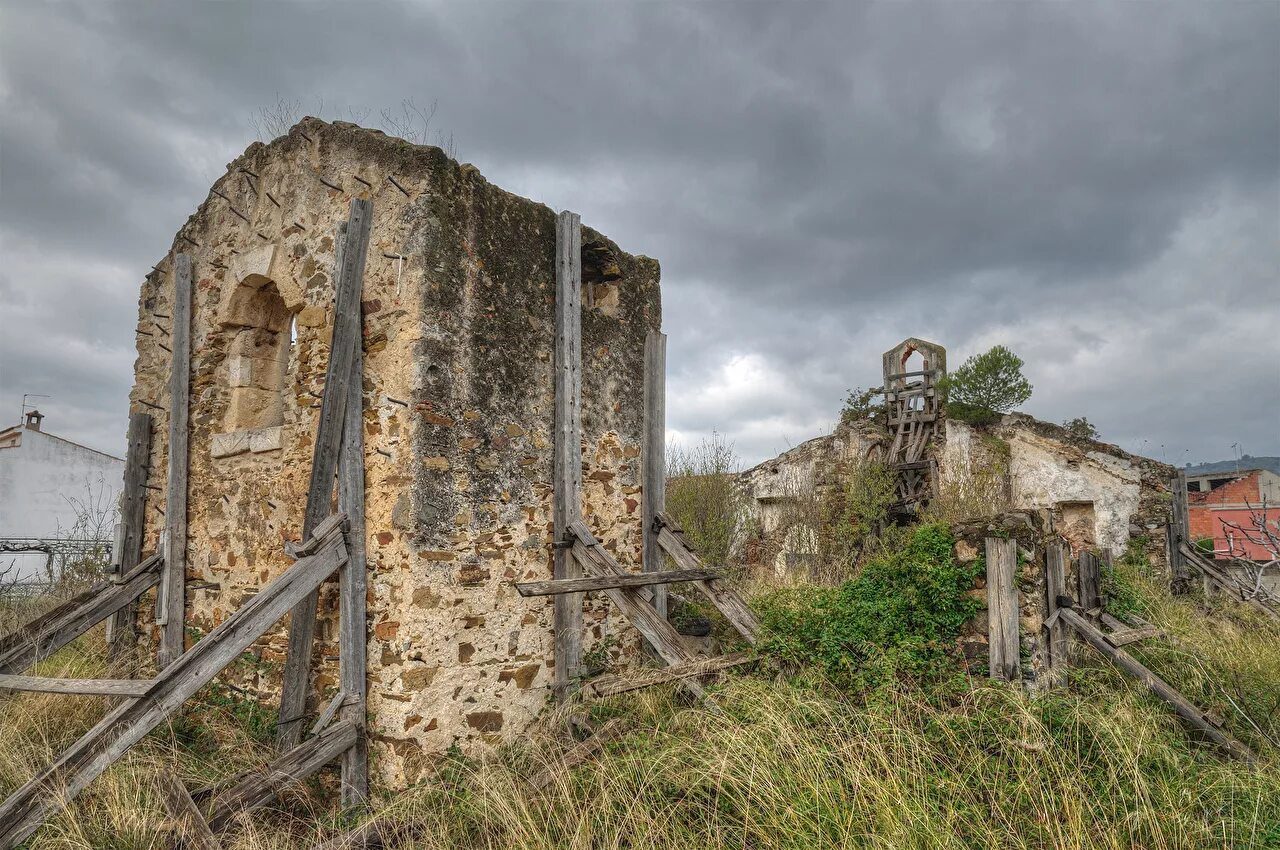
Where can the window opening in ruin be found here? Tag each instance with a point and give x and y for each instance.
(262, 332)
(913, 361)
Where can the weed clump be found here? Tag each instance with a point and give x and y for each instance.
(900, 616)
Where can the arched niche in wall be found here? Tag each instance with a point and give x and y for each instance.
(256, 313)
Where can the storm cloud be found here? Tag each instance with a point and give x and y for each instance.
(1095, 186)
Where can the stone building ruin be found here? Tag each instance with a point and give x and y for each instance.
(459, 334)
(1096, 496)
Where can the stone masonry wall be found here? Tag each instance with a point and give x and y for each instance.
(459, 295)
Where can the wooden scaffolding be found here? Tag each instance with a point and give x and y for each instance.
(913, 412)
(330, 543)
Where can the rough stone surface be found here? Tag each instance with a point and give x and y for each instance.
(458, 401)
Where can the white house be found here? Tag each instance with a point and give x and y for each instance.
(48, 487)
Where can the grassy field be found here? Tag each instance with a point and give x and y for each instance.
(799, 758)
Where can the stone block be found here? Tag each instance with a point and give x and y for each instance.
(254, 408)
(266, 439)
(227, 445)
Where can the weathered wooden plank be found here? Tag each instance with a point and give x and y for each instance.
(172, 598)
(324, 462)
(1124, 637)
(726, 599)
(567, 471)
(654, 456)
(1004, 647)
(606, 686)
(257, 788)
(1090, 583)
(588, 749)
(133, 507)
(353, 635)
(1185, 709)
(1225, 582)
(1178, 533)
(652, 626)
(1056, 557)
(123, 727)
(330, 710)
(78, 687)
(593, 583)
(47, 634)
(183, 814)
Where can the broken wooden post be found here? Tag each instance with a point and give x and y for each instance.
(567, 483)
(324, 462)
(171, 601)
(1005, 649)
(1178, 533)
(654, 463)
(353, 637)
(133, 508)
(1090, 583)
(183, 814)
(1156, 685)
(1055, 587)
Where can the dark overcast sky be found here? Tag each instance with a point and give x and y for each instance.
(1095, 186)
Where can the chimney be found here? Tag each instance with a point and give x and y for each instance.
(33, 420)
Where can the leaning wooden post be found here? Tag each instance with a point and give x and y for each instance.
(133, 509)
(655, 456)
(1178, 533)
(324, 463)
(1090, 583)
(1002, 610)
(1055, 587)
(567, 483)
(353, 638)
(172, 597)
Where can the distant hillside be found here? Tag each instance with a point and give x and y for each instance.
(1245, 463)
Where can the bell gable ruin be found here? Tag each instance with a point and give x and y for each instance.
(458, 307)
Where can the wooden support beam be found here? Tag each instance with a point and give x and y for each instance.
(593, 583)
(588, 552)
(1057, 555)
(606, 686)
(1124, 637)
(77, 687)
(259, 787)
(1209, 569)
(726, 600)
(171, 601)
(588, 749)
(1090, 583)
(353, 629)
(1178, 533)
(48, 633)
(133, 516)
(567, 472)
(130, 722)
(184, 816)
(654, 457)
(324, 463)
(1004, 645)
(1185, 709)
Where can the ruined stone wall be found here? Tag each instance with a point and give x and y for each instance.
(459, 296)
(1099, 496)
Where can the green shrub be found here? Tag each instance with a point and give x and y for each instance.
(899, 616)
(1081, 428)
(986, 386)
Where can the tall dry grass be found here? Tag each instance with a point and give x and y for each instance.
(790, 763)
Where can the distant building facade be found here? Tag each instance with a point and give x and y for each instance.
(1218, 500)
(47, 483)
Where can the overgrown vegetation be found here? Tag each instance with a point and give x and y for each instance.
(899, 617)
(1081, 428)
(861, 404)
(985, 386)
(703, 495)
